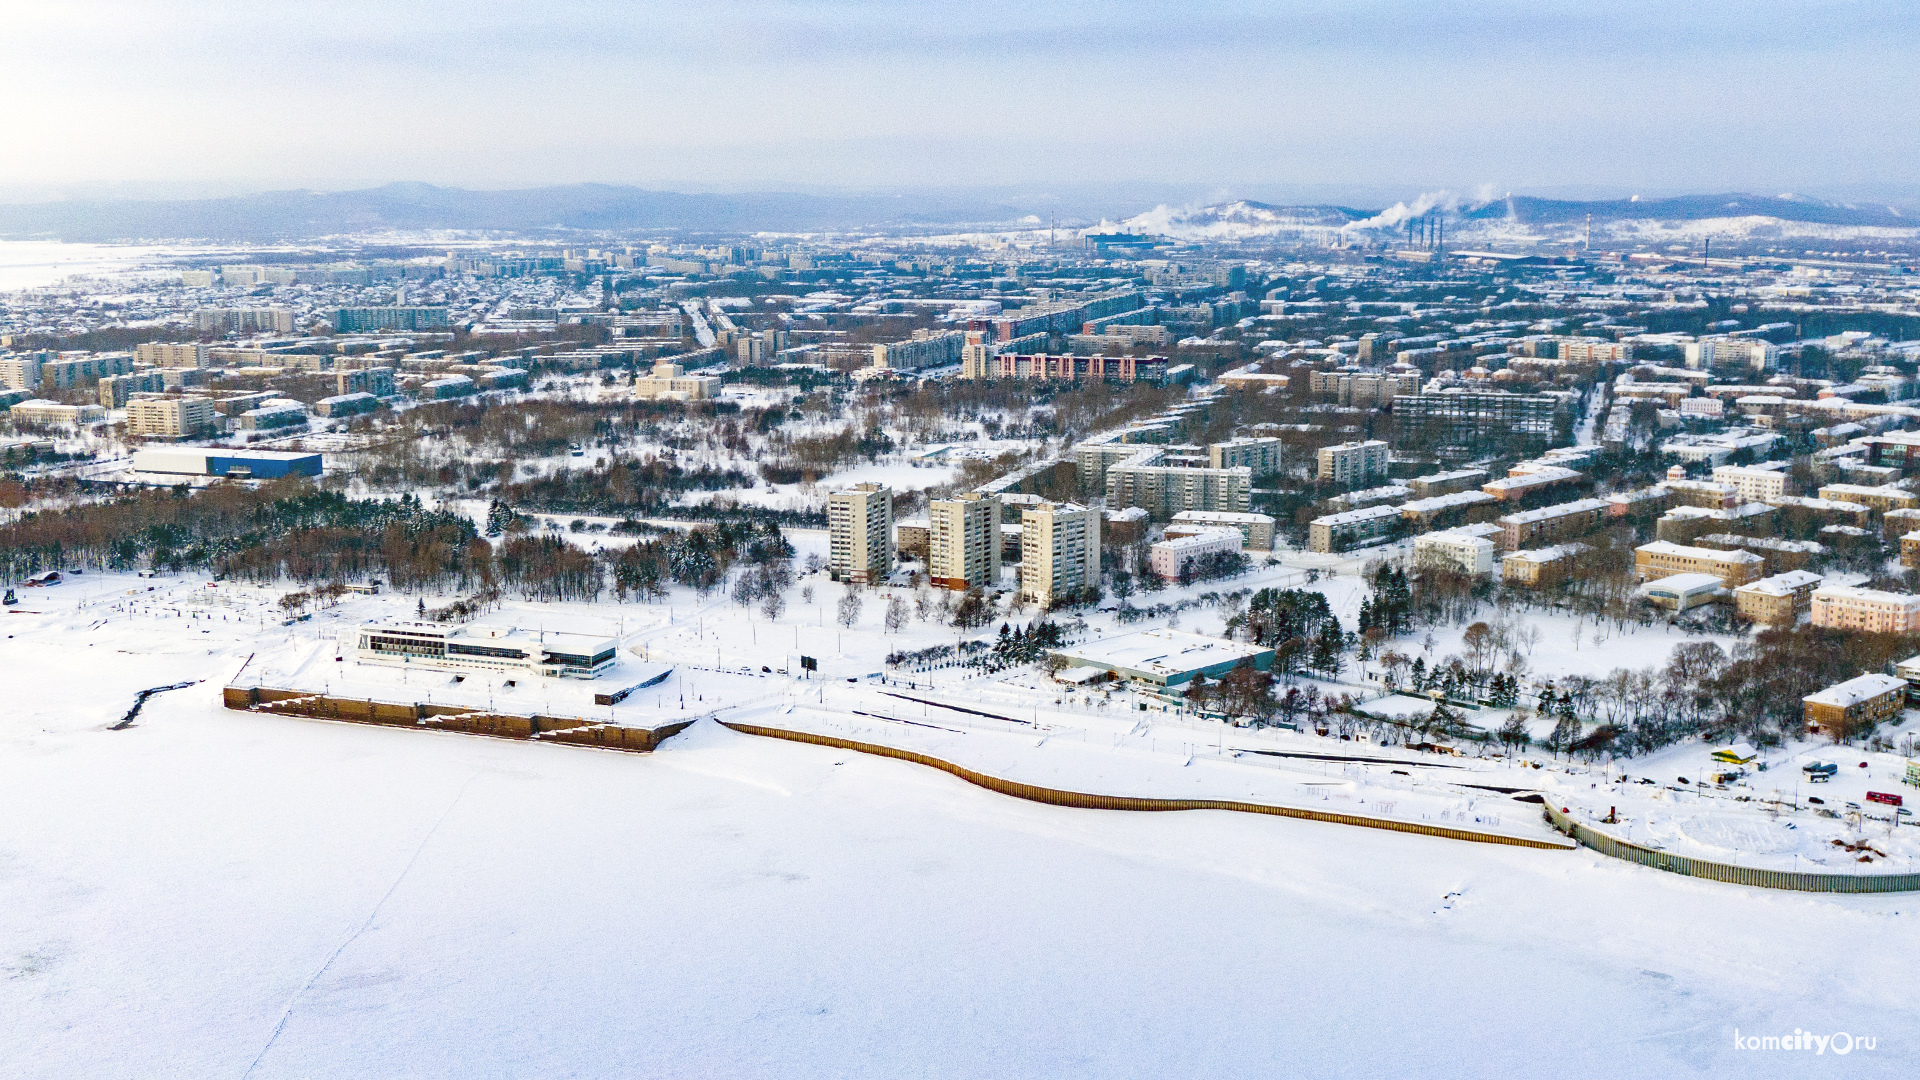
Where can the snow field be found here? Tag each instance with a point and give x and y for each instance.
(436, 905)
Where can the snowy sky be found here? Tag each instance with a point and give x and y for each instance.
(858, 94)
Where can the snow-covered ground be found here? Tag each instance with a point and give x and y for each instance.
(1775, 818)
(210, 892)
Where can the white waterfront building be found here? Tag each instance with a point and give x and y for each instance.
(501, 650)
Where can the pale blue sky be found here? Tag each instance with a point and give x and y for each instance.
(734, 94)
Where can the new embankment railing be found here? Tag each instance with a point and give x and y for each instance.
(1089, 801)
(1796, 880)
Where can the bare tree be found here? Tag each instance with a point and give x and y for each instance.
(773, 604)
(849, 612)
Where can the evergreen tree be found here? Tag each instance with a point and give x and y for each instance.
(1513, 733)
(1328, 646)
(499, 516)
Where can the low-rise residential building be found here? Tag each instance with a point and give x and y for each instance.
(377, 381)
(1069, 369)
(1848, 607)
(1563, 521)
(1446, 483)
(913, 537)
(1778, 600)
(39, 412)
(346, 405)
(1685, 524)
(1846, 709)
(1754, 483)
(1364, 497)
(1256, 530)
(1453, 550)
(1518, 485)
(1540, 567)
(1354, 528)
(1880, 497)
(1707, 494)
(277, 414)
(1172, 558)
(1639, 505)
(1909, 670)
(1247, 378)
(1780, 555)
(1461, 507)
(1661, 559)
(1895, 524)
(450, 386)
(1823, 509)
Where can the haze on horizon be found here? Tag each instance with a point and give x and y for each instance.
(200, 97)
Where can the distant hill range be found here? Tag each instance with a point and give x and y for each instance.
(423, 207)
(1734, 214)
(1526, 210)
(283, 215)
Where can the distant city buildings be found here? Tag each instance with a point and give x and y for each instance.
(261, 320)
(670, 382)
(1353, 464)
(1068, 369)
(170, 417)
(374, 319)
(1259, 456)
(174, 355)
(926, 349)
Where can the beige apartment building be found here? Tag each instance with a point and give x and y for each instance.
(1059, 551)
(170, 417)
(1881, 497)
(1847, 607)
(1562, 521)
(963, 541)
(1256, 530)
(1754, 484)
(1539, 567)
(1778, 600)
(670, 382)
(860, 533)
(171, 354)
(1661, 559)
